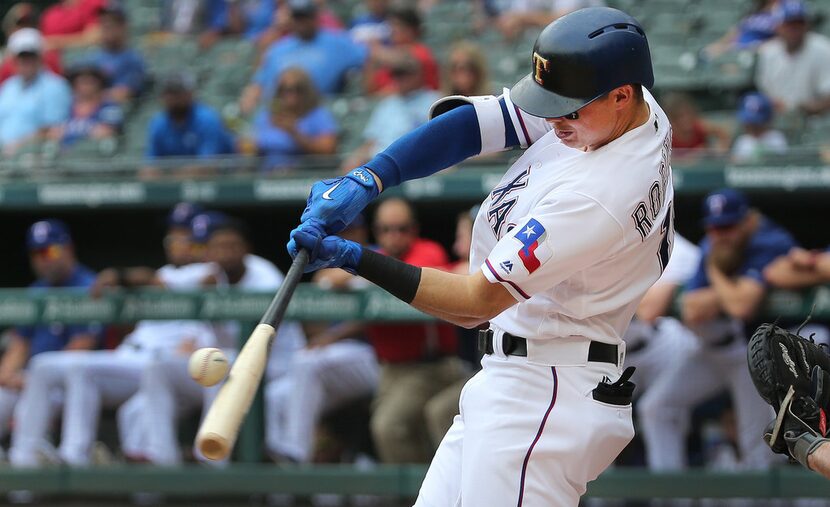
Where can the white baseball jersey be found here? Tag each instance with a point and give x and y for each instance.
(576, 237)
(260, 275)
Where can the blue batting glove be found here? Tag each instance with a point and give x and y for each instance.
(311, 228)
(336, 202)
(328, 252)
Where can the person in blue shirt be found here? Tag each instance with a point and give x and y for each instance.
(326, 55)
(296, 124)
(92, 116)
(35, 99)
(719, 305)
(372, 26)
(123, 65)
(186, 128)
(54, 263)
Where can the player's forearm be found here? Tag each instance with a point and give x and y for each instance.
(699, 306)
(438, 144)
(739, 297)
(819, 460)
(783, 274)
(14, 359)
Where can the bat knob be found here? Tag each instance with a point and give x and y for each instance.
(212, 446)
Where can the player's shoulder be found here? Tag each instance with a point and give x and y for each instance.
(771, 235)
(83, 276)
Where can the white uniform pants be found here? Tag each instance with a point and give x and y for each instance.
(663, 410)
(38, 405)
(104, 378)
(318, 380)
(527, 435)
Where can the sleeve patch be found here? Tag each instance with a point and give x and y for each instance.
(533, 251)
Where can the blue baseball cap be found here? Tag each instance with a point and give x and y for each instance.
(46, 233)
(203, 225)
(755, 109)
(791, 10)
(724, 207)
(183, 213)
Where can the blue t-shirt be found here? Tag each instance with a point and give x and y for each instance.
(26, 108)
(259, 14)
(369, 27)
(769, 242)
(277, 145)
(46, 338)
(756, 28)
(124, 68)
(202, 134)
(397, 115)
(327, 57)
(76, 128)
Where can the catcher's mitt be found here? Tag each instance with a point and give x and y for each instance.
(792, 374)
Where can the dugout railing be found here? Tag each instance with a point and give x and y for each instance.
(249, 475)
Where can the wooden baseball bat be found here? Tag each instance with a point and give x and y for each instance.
(218, 432)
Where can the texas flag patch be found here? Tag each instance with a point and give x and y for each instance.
(531, 236)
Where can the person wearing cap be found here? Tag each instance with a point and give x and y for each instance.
(405, 32)
(24, 15)
(122, 64)
(396, 114)
(326, 55)
(109, 375)
(93, 116)
(719, 305)
(167, 392)
(53, 261)
(758, 138)
(792, 68)
(72, 23)
(35, 99)
(186, 127)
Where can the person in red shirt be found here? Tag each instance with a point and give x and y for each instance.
(417, 360)
(72, 23)
(405, 35)
(692, 135)
(23, 15)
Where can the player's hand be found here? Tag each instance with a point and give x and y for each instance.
(324, 252)
(336, 202)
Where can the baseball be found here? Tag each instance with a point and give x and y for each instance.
(208, 366)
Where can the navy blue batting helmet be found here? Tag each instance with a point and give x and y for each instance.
(579, 58)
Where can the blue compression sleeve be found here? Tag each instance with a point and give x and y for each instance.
(439, 143)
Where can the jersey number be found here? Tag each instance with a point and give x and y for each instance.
(668, 237)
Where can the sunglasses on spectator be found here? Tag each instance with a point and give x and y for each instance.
(389, 228)
(463, 66)
(50, 252)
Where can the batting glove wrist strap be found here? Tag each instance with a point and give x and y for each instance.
(396, 277)
(803, 445)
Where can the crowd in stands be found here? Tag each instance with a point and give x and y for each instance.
(374, 49)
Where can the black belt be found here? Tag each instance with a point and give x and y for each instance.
(598, 352)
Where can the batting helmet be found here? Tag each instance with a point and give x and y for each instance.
(579, 58)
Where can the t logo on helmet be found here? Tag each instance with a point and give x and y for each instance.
(539, 65)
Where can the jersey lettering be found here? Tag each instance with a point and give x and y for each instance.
(501, 207)
(667, 230)
(641, 219)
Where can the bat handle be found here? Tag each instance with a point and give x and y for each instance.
(273, 315)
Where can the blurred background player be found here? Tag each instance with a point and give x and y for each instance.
(720, 302)
(53, 261)
(167, 392)
(104, 377)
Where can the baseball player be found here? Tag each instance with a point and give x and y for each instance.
(564, 247)
(53, 261)
(723, 295)
(104, 377)
(166, 389)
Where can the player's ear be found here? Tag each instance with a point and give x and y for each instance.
(622, 96)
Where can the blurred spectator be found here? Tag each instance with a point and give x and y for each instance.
(753, 29)
(799, 269)
(396, 114)
(372, 25)
(167, 392)
(296, 124)
(186, 127)
(336, 368)
(326, 55)
(54, 264)
(466, 73)
(691, 134)
(23, 15)
(207, 18)
(719, 305)
(417, 360)
(35, 99)
(792, 68)
(758, 139)
(123, 65)
(406, 29)
(72, 23)
(92, 116)
(513, 17)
